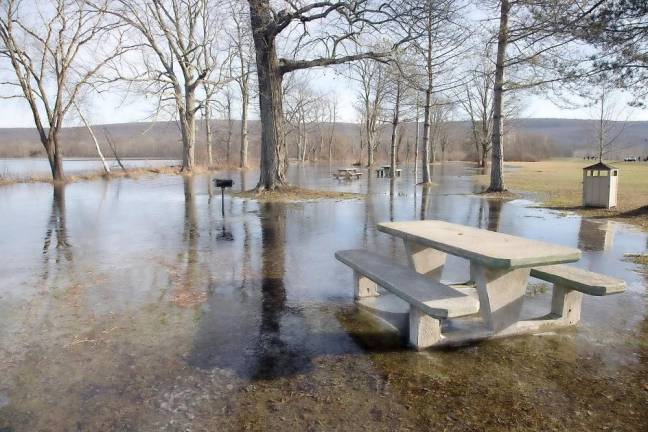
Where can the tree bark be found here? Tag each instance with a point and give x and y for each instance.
(94, 139)
(54, 156)
(393, 151)
(416, 143)
(208, 134)
(230, 124)
(245, 100)
(188, 129)
(497, 147)
(427, 112)
(273, 144)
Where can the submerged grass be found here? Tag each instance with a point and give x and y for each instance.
(290, 194)
(559, 185)
(638, 259)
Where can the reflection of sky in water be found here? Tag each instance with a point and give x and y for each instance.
(40, 167)
(132, 224)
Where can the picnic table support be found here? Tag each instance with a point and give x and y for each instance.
(566, 304)
(364, 287)
(501, 293)
(425, 260)
(424, 330)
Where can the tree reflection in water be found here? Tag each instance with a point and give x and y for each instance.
(56, 229)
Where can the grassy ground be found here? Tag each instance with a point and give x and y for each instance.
(7, 179)
(295, 194)
(559, 186)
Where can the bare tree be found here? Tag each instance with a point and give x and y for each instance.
(476, 100)
(175, 35)
(210, 57)
(533, 43)
(439, 44)
(611, 120)
(372, 77)
(241, 69)
(332, 118)
(225, 107)
(397, 96)
(325, 29)
(54, 54)
(302, 109)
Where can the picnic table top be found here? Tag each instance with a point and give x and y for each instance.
(492, 249)
(347, 169)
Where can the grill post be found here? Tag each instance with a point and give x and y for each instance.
(222, 184)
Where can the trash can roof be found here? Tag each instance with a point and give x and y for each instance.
(600, 166)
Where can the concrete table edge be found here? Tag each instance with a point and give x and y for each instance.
(496, 263)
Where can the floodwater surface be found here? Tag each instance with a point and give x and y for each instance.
(134, 305)
(20, 168)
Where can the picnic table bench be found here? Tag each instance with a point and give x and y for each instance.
(500, 266)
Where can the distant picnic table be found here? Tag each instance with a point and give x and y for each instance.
(347, 173)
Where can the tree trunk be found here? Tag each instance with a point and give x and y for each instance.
(229, 130)
(392, 162)
(427, 176)
(188, 130)
(497, 148)
(600, 131)
(416, 143)
(245, 100)
(273, 144)
(208, 134)
(54, 155)
(94, 139)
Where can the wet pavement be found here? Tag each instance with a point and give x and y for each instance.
(133, 305)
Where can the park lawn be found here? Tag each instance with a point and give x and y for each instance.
(559, 185)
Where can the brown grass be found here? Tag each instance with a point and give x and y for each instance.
(290, 194)
(115, 173)
(558, 184)
(638, 259)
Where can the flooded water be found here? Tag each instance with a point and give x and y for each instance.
(133, 305)
(36, 167)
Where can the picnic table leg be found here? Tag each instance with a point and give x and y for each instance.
(424, 330)
(364, 287)
(566, 304)
(425, 260)
(501, 293)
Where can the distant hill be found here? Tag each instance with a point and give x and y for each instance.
(577, 135)
(565, 137)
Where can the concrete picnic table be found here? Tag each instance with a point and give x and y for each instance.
(349, 170)
(500, 264)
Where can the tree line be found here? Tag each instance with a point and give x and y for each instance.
(412, 62)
